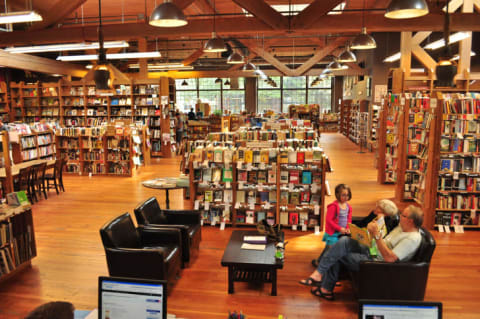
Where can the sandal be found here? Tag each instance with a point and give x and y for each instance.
(325, 295)
(310, 282)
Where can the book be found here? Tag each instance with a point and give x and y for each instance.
(216, 174)
(294, 177)
(264, 196)
(360, 234)
(306, 177)
(227, 175)
(293, 218)
(255, 239)
(294, 198)
(283, 218)
(300, 158)
(251, 198)
(242, 176)
(252, 177)
(250, 217)
(256, 156)
(284, 177)
(283, 198)
(218, 196)
(283, 157)
(240, 197)
(228, 196)
(305, 197)
(248, 156)
(207, 174)
(264, 156)
(260, 216)
(208, 196)
(444, 144)
(292, 157)
(272, 176)
(262, 177)
(272, 196)
(218, 156)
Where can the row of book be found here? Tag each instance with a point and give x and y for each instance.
(416, 100)
(460, 164)
(461, 106)
(214, 174)
(50, 112)
(119, 168)
(94, 168)
(74, 102)
(93, 156)
(123, 155)
(457, 201)
(456, 218)
(462, 182)
(81, 131)
(417, 149)
(46, 150)
(286, 197)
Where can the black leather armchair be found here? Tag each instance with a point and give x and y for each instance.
(149, 214)
(139, 252)
(400, 280)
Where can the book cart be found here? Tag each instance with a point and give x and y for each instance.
(240, 182)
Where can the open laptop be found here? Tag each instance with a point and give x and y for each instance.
(127, 298)
(399, 309)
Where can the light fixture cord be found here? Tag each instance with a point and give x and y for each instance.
(363, 15)
(214, 14)
(101, 53)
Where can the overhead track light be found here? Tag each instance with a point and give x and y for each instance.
(20, 17)
(67, 47)
(235, 58)
(167, 15)
(112, 56)
(406, 9)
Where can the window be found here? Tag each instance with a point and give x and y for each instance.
(208, 84)
(234, 101)
(212, 98)
(186, 100)
(293, 90)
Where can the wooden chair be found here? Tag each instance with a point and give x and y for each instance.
(39, 179)
(24, 181)
(55, 180)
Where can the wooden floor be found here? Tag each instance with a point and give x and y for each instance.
(71, 257)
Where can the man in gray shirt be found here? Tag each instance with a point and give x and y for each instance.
(399, 245)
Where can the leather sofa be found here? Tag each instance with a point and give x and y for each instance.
(149, 214)
(140, 252)
(399, 280)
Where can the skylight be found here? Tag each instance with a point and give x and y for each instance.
(284, 9)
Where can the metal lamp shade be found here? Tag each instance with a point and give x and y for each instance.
(334, 66)
(227, 82)
(347, 56)
(235, 58)
(215, 44)
(445, 72)
(406, 9)
(218, 80)
(249, 67)
(363, 41)
(101, 78)
(184, 83)
(167, 15)
(327, 73)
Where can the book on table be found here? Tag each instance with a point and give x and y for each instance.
(255, 239)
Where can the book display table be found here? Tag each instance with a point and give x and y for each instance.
(250, 265)
(166, 184)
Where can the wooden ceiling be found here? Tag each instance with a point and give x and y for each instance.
(271, 38)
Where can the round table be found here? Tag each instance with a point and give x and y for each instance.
(165, 183)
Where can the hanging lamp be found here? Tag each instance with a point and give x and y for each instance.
(184, 83)
(335, 66)
(363, 41)
(249, 67)
(347, 56)
(215, 44)
(227, 82)
(167, 15)
(446, 68)
(101, 75)
(235, 58)
(406, 9)
(218, 80)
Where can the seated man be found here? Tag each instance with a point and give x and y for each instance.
(399, 245)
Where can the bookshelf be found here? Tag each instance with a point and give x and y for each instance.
(457, 165)
(390, 128)
(33, 146)
(17, 240)
(4, 103)
(281, 185)
(345, 117)
(329, 122)
(414, 151)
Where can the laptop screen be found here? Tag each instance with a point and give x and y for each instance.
(399, 309)
(127, 298)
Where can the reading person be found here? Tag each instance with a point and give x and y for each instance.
(399, 245)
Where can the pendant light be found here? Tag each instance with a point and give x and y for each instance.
(249, 67)
(101, 75)
(446, 68)
(184, 83)
(215, 44)
(167, 15)
(235, 58)
(363, 41)
(347, 56)
(227, 82)
(335, 66)
(218, 80)
(406, 9)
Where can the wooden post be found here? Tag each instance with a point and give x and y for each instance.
(382, 142)
(8, 165)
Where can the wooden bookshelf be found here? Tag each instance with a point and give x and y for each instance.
(19, 247)
(4, 103)
(34, 146)
(345, 117)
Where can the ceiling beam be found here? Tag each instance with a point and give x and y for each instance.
(203, 7)
(182, 4)
(313, 12)
(56, 13)
(37, 64)
(193, 57)
(264, 12)
(336, 24)
(252, 46)
(319, 55)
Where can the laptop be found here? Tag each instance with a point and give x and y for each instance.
(127, 298)
(399, 309)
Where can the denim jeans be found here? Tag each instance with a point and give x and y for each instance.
(347, 252)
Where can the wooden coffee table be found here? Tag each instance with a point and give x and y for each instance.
(250, 265)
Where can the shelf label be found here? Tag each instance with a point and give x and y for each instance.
(222, 226)
(317, 210)
(197, 204)
(207, 205)
(447, 228)
(317, 230)
(294, 227)
(304, 227)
